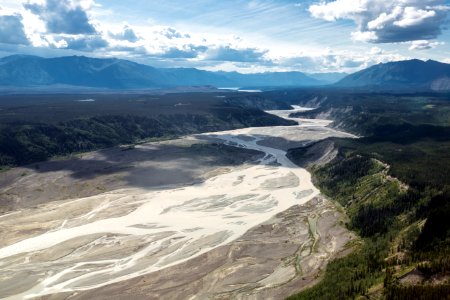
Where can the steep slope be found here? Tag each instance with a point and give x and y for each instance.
(409, 74)
(393, 184)
(22, 70)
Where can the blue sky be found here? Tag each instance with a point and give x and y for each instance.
(232, 35)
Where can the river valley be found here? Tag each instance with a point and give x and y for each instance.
(247, 228)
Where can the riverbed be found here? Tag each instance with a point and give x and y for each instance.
(132, 232)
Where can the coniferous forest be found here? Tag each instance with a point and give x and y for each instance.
(394, 183)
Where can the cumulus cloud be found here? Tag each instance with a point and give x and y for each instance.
(327, 62)
(127, 34)
(319, 62)
(336, 61)
(187, 51)
(88, 43)
(228, 53)
(63, 16)
(12, 30)
(172, 33)
(380, 21)
(376, 51)
(424, 45)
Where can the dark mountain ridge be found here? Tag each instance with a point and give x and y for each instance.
(112, 73)
(412, 74)
(25, 71)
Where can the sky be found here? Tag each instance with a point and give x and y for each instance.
(247, 36)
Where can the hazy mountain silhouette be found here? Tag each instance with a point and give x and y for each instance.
(29, 71)
(402, 75)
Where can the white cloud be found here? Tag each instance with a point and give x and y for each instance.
(380, 21)
(413, 17)
(336, 61)
(424, 45)
(376, 51)
(172, 33)
(229, 53)
(364, 36)
(340, 9)
(384, 19)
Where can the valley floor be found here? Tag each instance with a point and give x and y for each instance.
(221, 215)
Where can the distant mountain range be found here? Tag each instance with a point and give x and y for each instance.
(20, 71)
(80, 71)
(329, 78)
(402, 75)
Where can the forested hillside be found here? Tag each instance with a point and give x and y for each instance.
(394, 183)
(35, 128)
